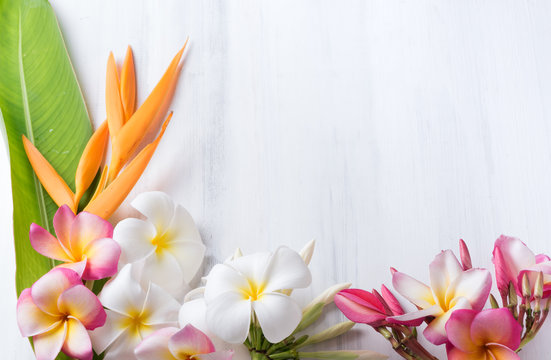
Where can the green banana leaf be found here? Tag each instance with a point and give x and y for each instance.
(39, 97)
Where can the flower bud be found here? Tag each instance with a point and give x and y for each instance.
(513, 300)
(327, 296)
(329, 333)
(493, 302)
(307, 251)
(465, 255)
(538, 290)
(342, 355)
(526, 290)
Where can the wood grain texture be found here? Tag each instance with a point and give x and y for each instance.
(387, 130)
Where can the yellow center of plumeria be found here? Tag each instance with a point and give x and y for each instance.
(254, 291)
(161, 242)
(136, 322)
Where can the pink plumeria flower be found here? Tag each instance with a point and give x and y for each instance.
(57, 311)
(174, 344)
(512, 259)
(451, 289)
(84, 243)
(489, 334)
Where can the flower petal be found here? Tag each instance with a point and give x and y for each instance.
(155, 346)
(474, 285)
(157, 206)
(229, 316)
(105, 335)
(191, 341)
(134, 237)
(218, 355)
(77, 267)
(253, 266)
(77, 342)
(458, 329)
(44, 243)
(443, 270)
(224, 278)
(501, 352)
(63, 220)
(103, 257)
(162, 269)
(436, 330)
(82, 304)
(88, 227)
(123, 293)
(47, 345)
(46, 290)
(161, 307)
(415, 318)
(286, 270)
(30, 318)
(413, 290)
(391, 301)
(182, 227)
(360, 306)
(510, 257)
(456, 354)
(189, 256)
(123, 346)
(542, 258)
(496, 326)
(278, 315)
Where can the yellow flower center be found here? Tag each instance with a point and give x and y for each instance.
(254, 291)
(135, 322)
(161, 242)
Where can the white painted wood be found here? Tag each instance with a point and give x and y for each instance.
(387, 130)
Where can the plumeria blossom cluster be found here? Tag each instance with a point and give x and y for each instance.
(453, 305)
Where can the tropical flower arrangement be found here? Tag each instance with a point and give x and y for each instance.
(91, 289)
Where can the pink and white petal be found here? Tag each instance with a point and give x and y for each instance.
(360, 306)
(63, 220)
(46, 244)
(190, 340)
(286, 270)
(444, 269)
(77, 342)
(415, 291)
(161, 268)
(229, 316)
(391, 301)
(135, 236)
(88, 227)
(189, 255)
(123, 293)
(155, 346)
(47, 345)
(157, 206)
(30, 319)
(496, 326)
(82, 304)
(458, 329)
(224, 278)
(435, 332)
(415, 318)
(102, 337)
(218, 355)
(456, 354)
(540, 258)
(278, 315)
(103, 257)
(46, 290)
(163, 308)
(510, 257)
(77, 267)
(182, 227)
(473, 285)
(501, 352)
(253, 266)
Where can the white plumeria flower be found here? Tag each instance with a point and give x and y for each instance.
(168, 242)
(133, 312)
(253, 284)
(194, 312)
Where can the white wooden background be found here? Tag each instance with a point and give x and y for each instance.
(387, 130)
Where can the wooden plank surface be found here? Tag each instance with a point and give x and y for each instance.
(386, 130)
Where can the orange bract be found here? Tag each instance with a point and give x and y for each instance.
(127, 130)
